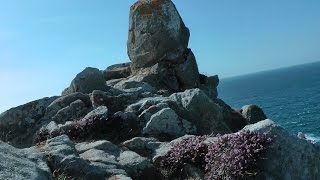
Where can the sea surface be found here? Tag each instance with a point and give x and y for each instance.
(289, 96)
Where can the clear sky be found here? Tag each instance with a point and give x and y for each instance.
(44, 44)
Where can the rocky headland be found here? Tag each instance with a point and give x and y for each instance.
(155, 117)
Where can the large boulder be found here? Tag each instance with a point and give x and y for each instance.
(86, 81)
(156, 33)
(209, 85)
(162, 75)
(233, 118)
(103, 145)
(65, 101)
(133, 163)
(75, 111)
(253, 113)
(19, 123)
(202, 111)
(129, 85)
(187, 72)
(167, 124)
(64, 159)
(22, 164)
(117, 71)
(288, 157)
(171, 76)
(113, 103)
(142, 145)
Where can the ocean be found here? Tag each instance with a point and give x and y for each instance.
(289, 96)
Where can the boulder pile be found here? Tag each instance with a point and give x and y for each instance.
(117, 123)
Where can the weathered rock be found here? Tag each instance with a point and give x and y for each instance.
(134, 86)
(301, 135)
(54, 128)
(103, 145)
(156, 33)
(166, 124)
(117, 71)
(253, 113)
(119, 177)
(113, 159)
(65, 101)
(142, 145)
(288, 157)
(187, 72)
(75, 111)
(124, 126)
(145, 103)
(145, 116)
(113, 103)
(22, 164)
(98, 97)
(164, 148)
(191, 172)
(86, 81)
(133, 163)
(233, 118)
(202, 112)
(62, 155)
(209, 85)
(96, 155)
(161, 76)
(101, 111)
(103, 155)
(18, 125)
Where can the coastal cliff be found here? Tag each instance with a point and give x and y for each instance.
(155, 117)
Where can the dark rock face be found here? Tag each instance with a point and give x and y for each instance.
(66, 101)
(209, 85)
(187, 72)
(156, 33)
(18, 124)
(76, 110)
(253, 113)
(117, 71)
(233, 118)
(86, 81)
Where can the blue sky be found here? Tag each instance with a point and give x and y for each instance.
(44, 44)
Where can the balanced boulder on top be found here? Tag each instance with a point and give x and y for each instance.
(156, 33)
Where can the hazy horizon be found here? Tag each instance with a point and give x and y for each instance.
(43, 44)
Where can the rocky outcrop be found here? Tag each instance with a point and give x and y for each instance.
(121, 123)
(252, 113)
(156, 33)
(86, 81)
(22, 164)
(234, 119)
(19, 123)
(209, 85)
(167, 123)
(289, 157)
(66, 101)
(157, 47)
(117, 71)
(203, 113)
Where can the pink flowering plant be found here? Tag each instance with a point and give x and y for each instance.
(233, 156)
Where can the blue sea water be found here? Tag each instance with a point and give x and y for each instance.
(289, 96)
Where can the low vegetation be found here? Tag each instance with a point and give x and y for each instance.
(234, 156)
